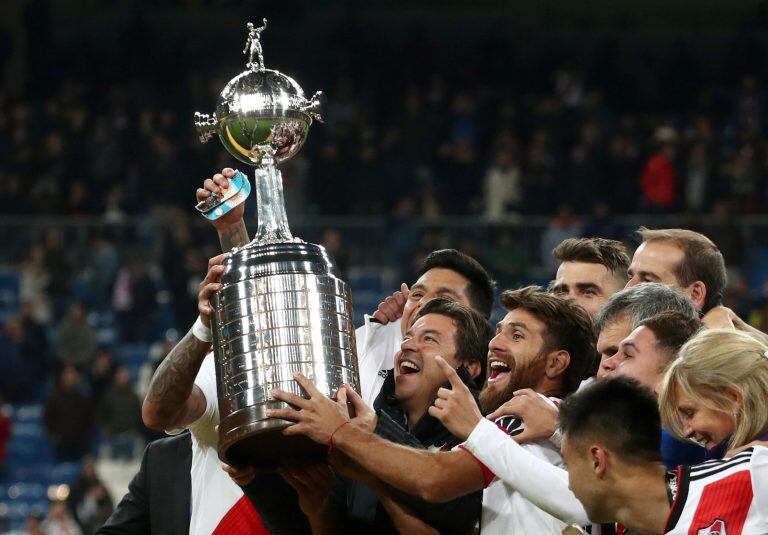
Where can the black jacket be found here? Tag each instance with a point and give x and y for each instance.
(158, 499)
(365, 512)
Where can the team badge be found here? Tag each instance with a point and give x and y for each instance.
(715, 528)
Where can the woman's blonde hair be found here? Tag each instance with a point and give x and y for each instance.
(710, 362)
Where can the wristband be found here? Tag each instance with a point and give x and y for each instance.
(330, 438)
(200, 331)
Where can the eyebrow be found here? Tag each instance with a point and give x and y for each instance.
(446, 290)
(557, 286)
(629, 344)
(430, 331)
(512, 324)
(587, 286)
(648, 274)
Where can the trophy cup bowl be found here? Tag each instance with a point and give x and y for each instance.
(283, 307)
(262, 107)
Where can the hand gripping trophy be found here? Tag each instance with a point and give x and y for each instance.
(282, 308)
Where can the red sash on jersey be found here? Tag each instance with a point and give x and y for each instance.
(241, 519)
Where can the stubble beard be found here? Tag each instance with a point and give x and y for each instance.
(527, 376)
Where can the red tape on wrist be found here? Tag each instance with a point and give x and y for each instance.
(330, 438)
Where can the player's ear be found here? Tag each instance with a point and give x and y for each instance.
(557, 362)
(698, 292)
(599, 459)
(474, 368)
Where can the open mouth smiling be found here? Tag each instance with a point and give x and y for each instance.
(408, 367)
(497, 370)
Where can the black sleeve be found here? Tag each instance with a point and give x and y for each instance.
(277, 505)
(387, 428)
(456, 516)
(132, 513)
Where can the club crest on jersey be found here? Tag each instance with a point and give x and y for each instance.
(715, 528)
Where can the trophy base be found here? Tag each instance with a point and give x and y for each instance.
(262, 444)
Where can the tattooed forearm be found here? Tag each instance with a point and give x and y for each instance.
(168, 400)
(234, 236)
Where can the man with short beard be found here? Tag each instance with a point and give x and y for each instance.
(544, 342)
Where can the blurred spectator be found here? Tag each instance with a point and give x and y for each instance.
(68, 416)
(88, 499)
(332, 241)
(565, 225)
(502, 186)
(60, 269)
(34, 344)
(6, 425)
(18, 380)
(134, 301)
(659, 180)
(33, 525)
(35, 279)
(102, 269)
(698, 179)
(102, 373)
(59, 521)
(76, 342)
(120, 417)
(94, 509)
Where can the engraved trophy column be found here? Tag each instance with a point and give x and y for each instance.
(283, 307)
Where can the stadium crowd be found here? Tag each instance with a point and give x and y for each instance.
(674, 366)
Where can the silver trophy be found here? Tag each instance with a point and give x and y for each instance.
(283, 307)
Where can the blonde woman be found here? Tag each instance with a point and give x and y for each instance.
(716, 391)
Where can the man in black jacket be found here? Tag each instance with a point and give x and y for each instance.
(159, 494)
(442, 327)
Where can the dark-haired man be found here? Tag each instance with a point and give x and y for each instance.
(441, 327)
(445, 273)
(611, 444)
(544, 343)
(591, 270)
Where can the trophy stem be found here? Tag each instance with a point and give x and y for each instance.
(273, 221)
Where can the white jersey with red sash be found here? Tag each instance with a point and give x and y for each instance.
(507, 511)
(722, 497)
(218, 505)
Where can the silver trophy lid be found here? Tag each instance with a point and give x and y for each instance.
(260, 107)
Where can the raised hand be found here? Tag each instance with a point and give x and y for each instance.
(217, 184)
(210, 285)
(392, 307)
(456, 407)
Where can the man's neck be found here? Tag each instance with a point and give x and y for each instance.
(415, 411)
(641, 500)
(550, 389)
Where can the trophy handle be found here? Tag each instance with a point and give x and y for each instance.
(206, 126)
(314, 106)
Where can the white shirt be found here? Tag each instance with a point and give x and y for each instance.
(214, 494)
(376, 345)
(516, 501)
(542, 483)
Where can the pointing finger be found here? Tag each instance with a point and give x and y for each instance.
(450, 373)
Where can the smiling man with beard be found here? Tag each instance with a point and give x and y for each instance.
(544, 343)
